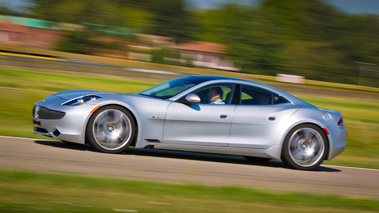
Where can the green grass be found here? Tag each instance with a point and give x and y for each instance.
(19, 90)
(23, 191)
(201, 71)
(54, 82)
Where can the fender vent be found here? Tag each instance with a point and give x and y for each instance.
(153, 140)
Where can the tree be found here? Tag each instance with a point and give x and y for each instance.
(308, 38)
(76, 42)
(98, 17)
(9, 11)
(250, 37)
(170, 18)
(122, 13)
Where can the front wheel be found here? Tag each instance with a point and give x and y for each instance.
(305, 147)
(111, 129)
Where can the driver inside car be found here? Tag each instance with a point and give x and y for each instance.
(215, 94)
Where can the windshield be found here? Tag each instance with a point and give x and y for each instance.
(173, 87)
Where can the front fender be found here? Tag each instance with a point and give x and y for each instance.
(149, 114)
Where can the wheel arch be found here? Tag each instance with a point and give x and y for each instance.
(118, 105)
(286, 134)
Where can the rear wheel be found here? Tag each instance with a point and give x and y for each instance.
(305, 147)
(111, 129)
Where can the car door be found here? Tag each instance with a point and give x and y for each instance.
(202, 124)
(257, 118)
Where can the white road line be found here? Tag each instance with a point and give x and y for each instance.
(158, 203)
(124, 210)
(346, 167)
(151, 71)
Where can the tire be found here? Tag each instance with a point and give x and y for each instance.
(305, 147)
(257, 159)
(111, 129)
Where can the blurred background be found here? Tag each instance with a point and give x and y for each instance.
(326, 40)
(47, 46)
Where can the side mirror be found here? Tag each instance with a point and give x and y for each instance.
(193, 98)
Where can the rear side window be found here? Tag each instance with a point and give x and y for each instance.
(279, 99)
(256, 96)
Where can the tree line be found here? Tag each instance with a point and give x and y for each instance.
(308, 38)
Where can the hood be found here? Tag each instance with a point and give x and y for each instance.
(71, 94)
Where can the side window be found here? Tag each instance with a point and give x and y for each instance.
(256, 96)
(279, 99)
(216, 94)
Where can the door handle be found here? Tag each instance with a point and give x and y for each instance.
(272, 118)
(223, 116)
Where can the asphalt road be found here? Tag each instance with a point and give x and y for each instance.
(180, 167)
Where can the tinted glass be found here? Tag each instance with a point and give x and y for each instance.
(216, 94)
(172, 88)
(256, 96)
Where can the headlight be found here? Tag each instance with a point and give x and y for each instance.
(81, 100)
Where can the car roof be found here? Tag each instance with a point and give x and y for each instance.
(215, 77)
(240, 80)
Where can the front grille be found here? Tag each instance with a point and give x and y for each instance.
(45, 113)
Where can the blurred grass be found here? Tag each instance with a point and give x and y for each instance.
(54, 82)
(19, 90)
(23, 191)
(200, 71)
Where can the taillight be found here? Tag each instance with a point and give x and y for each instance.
(340, 122)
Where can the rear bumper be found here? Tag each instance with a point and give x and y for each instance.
(338, 142)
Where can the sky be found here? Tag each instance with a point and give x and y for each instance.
(349, 6)
(357, 6)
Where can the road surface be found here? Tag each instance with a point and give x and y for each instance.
(180, 167)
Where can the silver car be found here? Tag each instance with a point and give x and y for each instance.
(210, 114)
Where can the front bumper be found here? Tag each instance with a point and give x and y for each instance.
(66, 123)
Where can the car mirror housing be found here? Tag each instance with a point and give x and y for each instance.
(192, 98)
